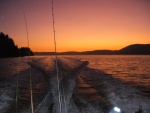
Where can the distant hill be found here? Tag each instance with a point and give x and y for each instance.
(135, 49)
(143, 49)
(98, 52)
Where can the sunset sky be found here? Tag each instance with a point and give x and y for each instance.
(80, 25)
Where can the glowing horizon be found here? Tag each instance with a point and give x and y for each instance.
(81, 25)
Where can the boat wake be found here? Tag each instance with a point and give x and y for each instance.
(83, 89)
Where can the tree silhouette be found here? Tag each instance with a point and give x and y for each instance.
(25, 51)
(9, 49)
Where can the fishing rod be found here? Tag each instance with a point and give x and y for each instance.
(17, 83)
(56, 60)
(31, 89)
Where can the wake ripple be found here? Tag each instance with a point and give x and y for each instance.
(83, 89)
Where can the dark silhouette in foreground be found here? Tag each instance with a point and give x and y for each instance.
(140, 110)
(9, 49)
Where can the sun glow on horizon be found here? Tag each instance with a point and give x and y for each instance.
(80, 25)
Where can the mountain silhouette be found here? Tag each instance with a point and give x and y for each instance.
(135, 49)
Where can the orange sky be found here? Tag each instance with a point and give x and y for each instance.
(80, 24)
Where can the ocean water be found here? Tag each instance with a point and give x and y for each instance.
(94, 87)
(131, 69)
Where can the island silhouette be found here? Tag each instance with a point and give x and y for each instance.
(9, 49)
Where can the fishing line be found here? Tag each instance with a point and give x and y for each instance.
(31, 91)
(17, 83)
(56, 61)
(17, 93)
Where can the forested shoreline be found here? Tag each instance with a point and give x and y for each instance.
(9, 49)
